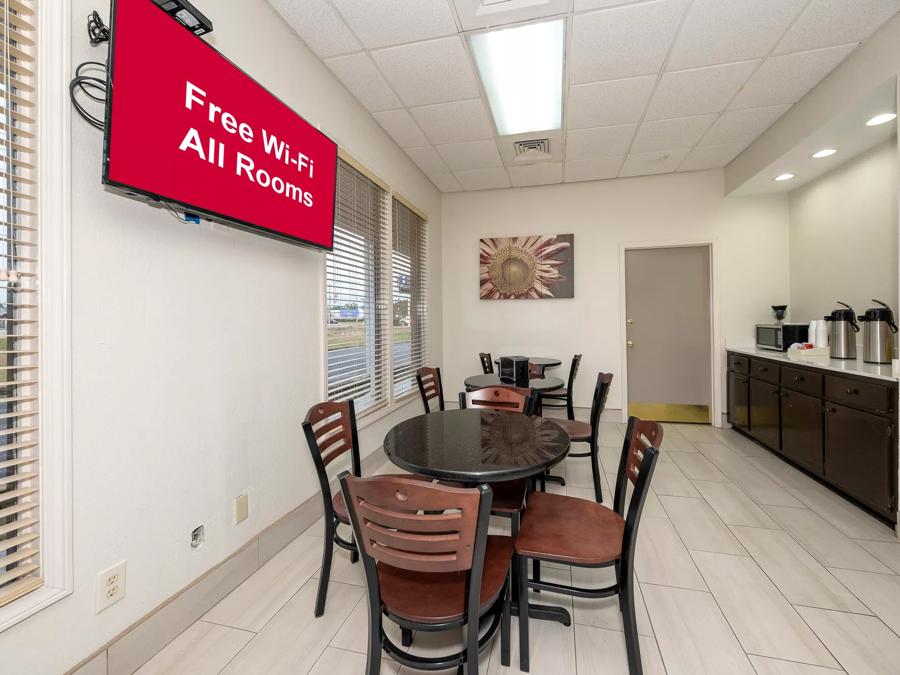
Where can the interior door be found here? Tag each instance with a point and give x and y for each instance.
(668, 333)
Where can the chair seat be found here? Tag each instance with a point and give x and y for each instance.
(562, 393)
(509, 496)
(570, 530)
(576, 429)
(340, 508)
(425, 597)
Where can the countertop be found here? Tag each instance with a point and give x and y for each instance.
(849, 367)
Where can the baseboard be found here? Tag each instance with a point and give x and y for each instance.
(137, 644)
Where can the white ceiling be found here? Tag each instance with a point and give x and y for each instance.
(652, 86)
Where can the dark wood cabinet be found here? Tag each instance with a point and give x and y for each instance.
(739, 401)
(859, 455)
(765, 404)
(802, 430)
(840, 427)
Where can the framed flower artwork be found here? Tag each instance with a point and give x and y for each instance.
(536, 267)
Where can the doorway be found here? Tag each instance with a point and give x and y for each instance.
(668, 333)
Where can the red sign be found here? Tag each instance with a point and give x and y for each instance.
(187, 126)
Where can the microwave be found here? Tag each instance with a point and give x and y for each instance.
(779, 336)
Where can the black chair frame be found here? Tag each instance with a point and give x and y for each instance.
(624, 566)
(548, 398)
(499, 612)
(487, 363)
(332, 536)
(598, 404)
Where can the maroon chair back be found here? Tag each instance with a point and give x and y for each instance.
(413, 525)
(642, 439)
(430, 387)
(330, 430)
(535, 372)
(514, 399)
(573, 372)
(487, 363)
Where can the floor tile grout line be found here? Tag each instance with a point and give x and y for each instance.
(221, 625)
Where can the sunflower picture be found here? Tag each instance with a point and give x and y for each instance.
(535, 267)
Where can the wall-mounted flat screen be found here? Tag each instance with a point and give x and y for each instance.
(186, 126)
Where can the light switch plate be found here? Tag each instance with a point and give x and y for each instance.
(241, 508)
(110, 586)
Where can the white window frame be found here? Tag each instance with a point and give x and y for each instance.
(55, 403)
(394, 403)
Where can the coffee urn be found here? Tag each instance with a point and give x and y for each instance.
(842, 330)
(878, 333)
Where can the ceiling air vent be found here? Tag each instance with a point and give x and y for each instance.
(534, 149)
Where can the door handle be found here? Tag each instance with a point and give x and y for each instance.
(630, 344)
(630, 322)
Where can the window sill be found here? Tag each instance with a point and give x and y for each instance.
(368, 418)
(34, 602)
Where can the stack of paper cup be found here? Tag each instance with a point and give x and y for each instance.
(812, 333)
(821, 333)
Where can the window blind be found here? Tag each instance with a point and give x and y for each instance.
(409, 289)
(356, 271)
(20, 563)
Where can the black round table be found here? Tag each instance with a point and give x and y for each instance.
(493, 380)
(476, 446)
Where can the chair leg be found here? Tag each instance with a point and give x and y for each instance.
(570, 408)
(373, 657)
(595, 469)
(632, 643)
(406, 636)
(515, 523)
(505, 621)
(523, 614)
(325, 573)
(472, 647)
(536, 572)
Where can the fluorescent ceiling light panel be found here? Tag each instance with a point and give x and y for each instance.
(522, 72)
(826, 152)
(783, 177)
(883, 118)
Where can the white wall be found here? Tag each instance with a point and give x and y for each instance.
(751, 249)
(197, 351)
(844, 236)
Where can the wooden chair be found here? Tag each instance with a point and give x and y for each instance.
(430, 566)
(487, 363)
(582, 533)
(562, 398)
(430, 387)
(584, 432)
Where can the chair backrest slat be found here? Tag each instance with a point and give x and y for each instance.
(487, 363)
(515, 399)
(573, 371)
(430, 387)
(330, 429)
(640, 437)
(598, 403)
(414, 525)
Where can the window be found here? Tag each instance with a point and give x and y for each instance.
(409, 288)
(20, 550)
(356, 301)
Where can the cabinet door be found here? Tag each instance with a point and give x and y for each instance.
(858, 455)
(739, 401)
(802, 430)
(765, 402)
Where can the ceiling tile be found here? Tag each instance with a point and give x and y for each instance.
(454, 122)
(681, 132)
(397, 21)
(427, 159)
(723, 31)
(582, 5)
(623, 41)
(602, 104)
(545, 173)
(445, 182)
(600, 142)
(648, 163)
(437, 71)
(471, 155)
(711, 156)
(836, 22)
(699, 90)
(483, 179)
(736, 126)
(402, 128)
(475, 14)
(787, 79)
(593, 169)
(362, 78)
(318, 25)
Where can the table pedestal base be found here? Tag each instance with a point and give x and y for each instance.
(545, 613)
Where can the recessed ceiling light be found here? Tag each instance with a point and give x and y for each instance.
(825, 152)
(522, 72)
(883, 118)
(784, 176)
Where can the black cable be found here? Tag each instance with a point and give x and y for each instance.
(97, 31)
(95, 86)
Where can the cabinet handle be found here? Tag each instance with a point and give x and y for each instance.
(852, 391)
(798, 378)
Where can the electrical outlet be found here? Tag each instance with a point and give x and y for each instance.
(110, 586)
(241, 508)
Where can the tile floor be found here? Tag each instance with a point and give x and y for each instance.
(744, 564)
